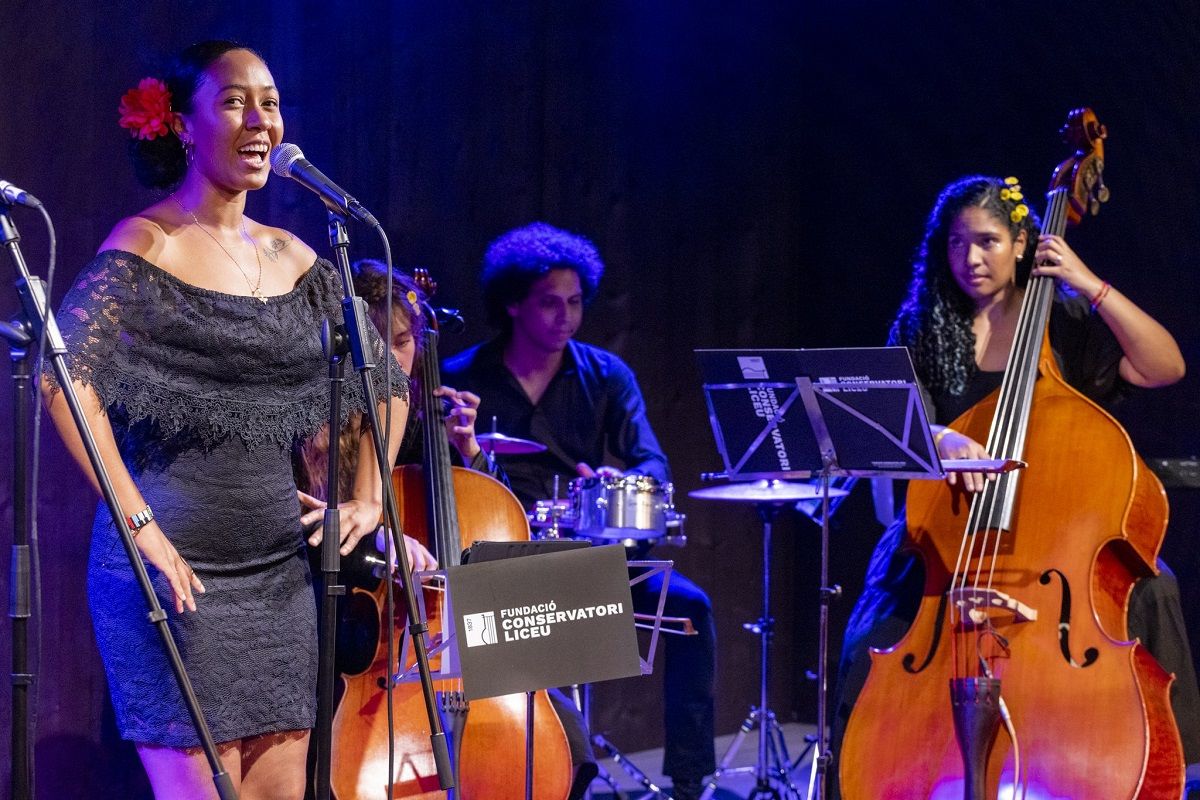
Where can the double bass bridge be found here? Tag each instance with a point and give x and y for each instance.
(980, 604)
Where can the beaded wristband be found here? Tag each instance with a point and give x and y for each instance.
(140, 520)
(1100, 295)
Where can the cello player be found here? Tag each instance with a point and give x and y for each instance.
(408, 327)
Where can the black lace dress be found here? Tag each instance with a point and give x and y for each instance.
(207, 394)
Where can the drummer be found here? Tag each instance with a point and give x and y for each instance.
(580, 402)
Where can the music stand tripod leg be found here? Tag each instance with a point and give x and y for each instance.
(725, 764)
(581, 693)
(772, 764)
(631, 769)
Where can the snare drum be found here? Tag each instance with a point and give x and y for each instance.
(628, 509)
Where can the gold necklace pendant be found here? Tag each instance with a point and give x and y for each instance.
(255, 288)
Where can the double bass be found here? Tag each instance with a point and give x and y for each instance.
(445, 508)
(1016, 678)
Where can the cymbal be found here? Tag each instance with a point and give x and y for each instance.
(503, 445)
(764, 492)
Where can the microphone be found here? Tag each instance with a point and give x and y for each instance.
(14, 195)
(288, 162)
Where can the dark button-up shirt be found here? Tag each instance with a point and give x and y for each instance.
(592, 406)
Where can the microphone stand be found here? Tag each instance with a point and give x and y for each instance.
(354, 320)
(336, 345)
(21, 345)
(39, 319)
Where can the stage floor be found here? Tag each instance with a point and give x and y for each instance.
(730, 786)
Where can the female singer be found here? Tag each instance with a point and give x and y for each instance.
(194, 339)
(981, 245)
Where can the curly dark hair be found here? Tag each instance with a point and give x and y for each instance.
(370, 283)
(160, 163)
(934, 321)
(517, 259)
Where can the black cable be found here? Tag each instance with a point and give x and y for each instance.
(389, 557)
(35, 462)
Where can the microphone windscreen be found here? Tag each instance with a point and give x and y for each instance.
(283, 155)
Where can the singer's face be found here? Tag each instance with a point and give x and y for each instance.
(551, 313)
(235, 121)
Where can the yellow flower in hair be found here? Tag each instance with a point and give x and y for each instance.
(1005, 194)
(1019, 213)
(1015, 194)
(1011, 181)
(411, 297)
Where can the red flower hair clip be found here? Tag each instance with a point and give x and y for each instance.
(146, 110)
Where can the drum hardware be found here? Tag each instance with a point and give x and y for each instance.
(498, 444)
(631, 510)
(626, 507)
(773, 766)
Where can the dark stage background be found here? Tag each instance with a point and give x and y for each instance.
(755, 174)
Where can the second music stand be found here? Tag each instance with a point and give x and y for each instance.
(798, 414)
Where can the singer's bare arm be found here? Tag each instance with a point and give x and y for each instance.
(138, 235)
(150, 540)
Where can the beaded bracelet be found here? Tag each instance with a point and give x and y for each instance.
(140, 520)
(1100, 295)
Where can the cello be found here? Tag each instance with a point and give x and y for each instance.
(445, 508)
(1016, 678)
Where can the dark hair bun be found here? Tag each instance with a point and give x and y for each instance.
(158, 163)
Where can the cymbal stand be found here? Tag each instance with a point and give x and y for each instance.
(772, 767)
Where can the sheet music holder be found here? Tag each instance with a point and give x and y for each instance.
(797, 414)
(833, 413)
(580, 575)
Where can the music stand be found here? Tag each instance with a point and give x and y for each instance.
(798, 414)
(571, 597)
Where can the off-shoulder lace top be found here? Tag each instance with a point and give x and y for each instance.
(177, 365)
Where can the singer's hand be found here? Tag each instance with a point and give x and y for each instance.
(159, 551)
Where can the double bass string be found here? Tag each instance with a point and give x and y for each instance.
(1006, 439)
(1013, 413)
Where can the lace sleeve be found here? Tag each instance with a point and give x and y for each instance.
(89, 320)
(174, 362)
